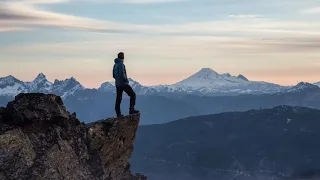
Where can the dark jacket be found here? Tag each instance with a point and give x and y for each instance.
(119, 73)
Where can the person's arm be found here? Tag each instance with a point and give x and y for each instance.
(122, 72)
(113, 72)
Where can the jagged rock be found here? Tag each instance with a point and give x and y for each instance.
(39, 139)
(114, 139)
(36, 107)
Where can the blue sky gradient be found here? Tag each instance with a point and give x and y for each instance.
(164, 41)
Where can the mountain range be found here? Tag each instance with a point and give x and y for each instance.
(205, 82)
(92, 104)
(11, 86)
(279, 143)
(209, 82)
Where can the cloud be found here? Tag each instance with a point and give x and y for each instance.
(244, 16)
(135, 1)
(93, 1)
(26, 14)
(35, 1)
(315, 10)
(8, 29)
(170, 47)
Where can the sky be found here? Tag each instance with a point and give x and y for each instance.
(164, 41)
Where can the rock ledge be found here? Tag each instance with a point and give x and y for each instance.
(40, 139)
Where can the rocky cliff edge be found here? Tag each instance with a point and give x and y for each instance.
(40, 139)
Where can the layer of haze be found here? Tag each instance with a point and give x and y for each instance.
(164, 40)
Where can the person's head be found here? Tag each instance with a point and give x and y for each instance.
(121, 55)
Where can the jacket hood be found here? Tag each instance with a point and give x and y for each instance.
(117, 60)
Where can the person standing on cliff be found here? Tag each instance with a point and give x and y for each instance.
(122, 84)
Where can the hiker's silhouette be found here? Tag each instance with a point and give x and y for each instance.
(122, 84)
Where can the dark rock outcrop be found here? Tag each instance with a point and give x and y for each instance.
(28, 108)
(39, 139)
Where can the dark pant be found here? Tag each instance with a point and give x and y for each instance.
(130, 92)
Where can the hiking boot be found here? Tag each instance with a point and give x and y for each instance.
(134, 111)
(119, 115)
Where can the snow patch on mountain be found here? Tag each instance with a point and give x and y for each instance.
(10, 86)
(317, 84)
(66, 87)
(136, 86)
(140, 89)
(39, 84)
(9, 80)
(207, 81)
(71, 91)
(12, 90)
(204, 82)
(300, 87)
(106, 86)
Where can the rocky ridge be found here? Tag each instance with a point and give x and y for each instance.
(40, 139)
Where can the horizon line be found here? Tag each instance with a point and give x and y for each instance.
(111, 82)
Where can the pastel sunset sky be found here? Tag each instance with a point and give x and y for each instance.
(164, 40)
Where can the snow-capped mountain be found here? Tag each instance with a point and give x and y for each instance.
(66, 87)
(106, 87)
(39, 84)
(207, 77)
(242, 77)
(317, 84)
(10, 86)
(207, 81)
(302, 86)
(140, 89)
(136, 86)
(204, 82)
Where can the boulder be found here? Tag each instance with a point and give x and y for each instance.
(35, 107)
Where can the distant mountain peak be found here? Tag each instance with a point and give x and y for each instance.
(68, 80)
(10, 86)
(73, 78)
(39, 84)
(302, 86)
(67, 87)
(106, 86)
(106, 83)
(40, 77)
(207, 71)
(74, 82)
(207, 81)
(10, 77)
(305, 84)
(56, 81)
(243, 77)
(226, 74)
(8, 80)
